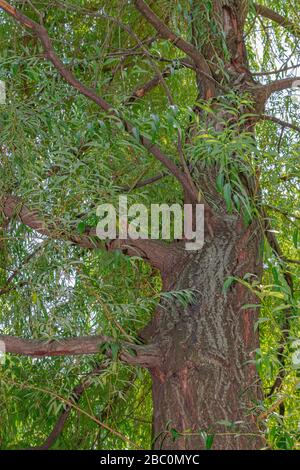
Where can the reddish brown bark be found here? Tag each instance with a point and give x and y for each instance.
(206, 347)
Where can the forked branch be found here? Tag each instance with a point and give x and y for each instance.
(199, 60)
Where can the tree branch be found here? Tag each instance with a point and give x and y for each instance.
(147, 356)
(13, 206)
(142, 90)
(201, 65)
(279, 19)
(145, 182)
(278, 85)
(76, 394)
(285, 329)
(7, 285)
(275, 72)
(155, 252)
(265, 117)
(50, 54)
(283, 212)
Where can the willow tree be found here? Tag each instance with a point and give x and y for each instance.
(166, 102)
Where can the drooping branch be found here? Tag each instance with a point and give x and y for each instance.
(199, 60)
(147, 356)
(68, 76)
(8, 284)
(279, 19)
(146, 182)
(155, 252)
(75, 397)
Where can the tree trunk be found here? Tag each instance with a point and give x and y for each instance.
(206, 375)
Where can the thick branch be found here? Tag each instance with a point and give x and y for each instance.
(50, 54)
(279, 19)
(13, 206)
(189, 49)
(146, 356)
(155, 252)
(265, 91)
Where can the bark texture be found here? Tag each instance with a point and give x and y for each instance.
(206, 375)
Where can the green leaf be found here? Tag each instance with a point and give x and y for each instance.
(115, 348)
(227, 196)
(228, 282)
(295, 237)
(220, 182)
(136, 133)
(132, 351)
(208, 439)
(81, 227)
(175, 434)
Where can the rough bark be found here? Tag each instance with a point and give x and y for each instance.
(145, 356)
(206, 375)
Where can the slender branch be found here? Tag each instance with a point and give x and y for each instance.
(274, 244)
(7, 286)
(145, 182)
(291, 261)
(279, 19)
(27, 386)
(270, 410)
(50, 54)
(147, 356)
(283, 212)
(201, 65)
(142, 90)
(274, 72)
(282, 123)
(76, 394)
